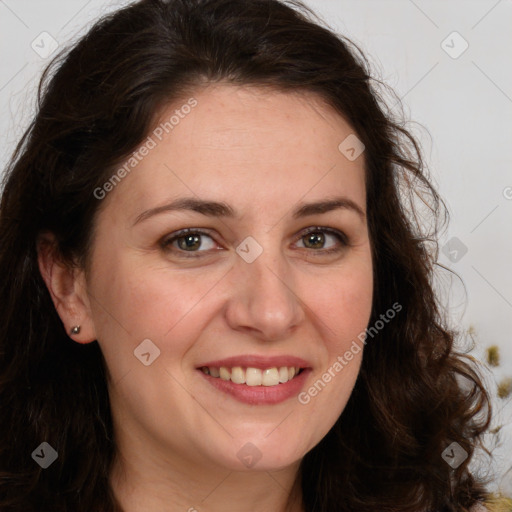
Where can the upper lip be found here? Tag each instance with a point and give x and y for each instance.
(255, 361)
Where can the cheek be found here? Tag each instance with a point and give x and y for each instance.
(344, 302)
(343, 306)
(134, 301)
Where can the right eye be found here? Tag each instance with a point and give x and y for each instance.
(187, 241)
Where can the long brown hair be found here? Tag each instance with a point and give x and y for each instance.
(415, 394)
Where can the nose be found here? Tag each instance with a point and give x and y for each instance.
(264, 302)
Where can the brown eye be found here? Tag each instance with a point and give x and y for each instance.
(316, 238)
(188, 240)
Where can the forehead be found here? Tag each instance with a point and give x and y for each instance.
(248, 145)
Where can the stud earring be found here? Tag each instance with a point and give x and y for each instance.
(75, 329)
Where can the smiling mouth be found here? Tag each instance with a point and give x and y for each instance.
(254, 376)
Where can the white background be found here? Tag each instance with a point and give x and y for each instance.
(464, 103)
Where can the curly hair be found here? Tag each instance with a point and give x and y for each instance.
(415, 394)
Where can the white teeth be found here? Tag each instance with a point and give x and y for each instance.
(238, 375)
(270, 377)
(253, 376)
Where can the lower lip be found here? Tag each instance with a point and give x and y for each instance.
(260, 395)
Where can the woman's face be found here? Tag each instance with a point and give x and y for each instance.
(250, 173)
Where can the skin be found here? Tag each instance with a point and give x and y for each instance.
(263, 153)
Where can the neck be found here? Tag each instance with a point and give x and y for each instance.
(145, 481)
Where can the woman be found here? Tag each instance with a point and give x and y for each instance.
(215, 292)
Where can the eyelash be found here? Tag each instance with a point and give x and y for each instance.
(167, 241)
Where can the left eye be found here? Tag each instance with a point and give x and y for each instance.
(315, 237)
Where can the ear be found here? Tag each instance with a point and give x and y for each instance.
(68, 289)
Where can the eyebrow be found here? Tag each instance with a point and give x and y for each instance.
(221, 209)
